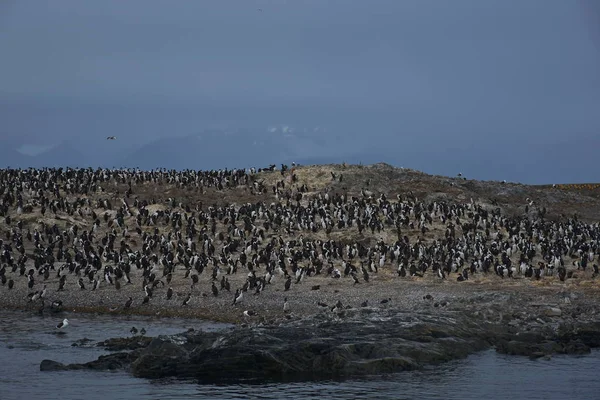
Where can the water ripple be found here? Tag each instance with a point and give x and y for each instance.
(25, 340)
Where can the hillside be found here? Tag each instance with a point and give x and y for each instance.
(561, 200)
(198, 232)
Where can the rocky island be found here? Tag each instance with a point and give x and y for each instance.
(327, 271)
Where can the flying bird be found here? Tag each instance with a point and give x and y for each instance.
(111, 138)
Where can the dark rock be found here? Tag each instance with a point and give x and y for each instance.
(85, 342)
(164, 356)
(49, 365)
(107, 362)
(121, 344)
(301, 350)
(518, 348)
(576, 347)
(355, 342)
(589, 334)
(536, 355)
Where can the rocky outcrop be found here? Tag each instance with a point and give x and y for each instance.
(564, 338)
(116, 344)
(356, 343)
(85, 342)
(350, 343)
(114, 361)
(122, 344)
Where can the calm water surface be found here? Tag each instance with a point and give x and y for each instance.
(26, 340)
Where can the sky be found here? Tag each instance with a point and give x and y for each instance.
(480, 86)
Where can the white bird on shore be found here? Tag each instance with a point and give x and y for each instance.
(44, 291)
(286, 306)
(238, 297)
(35, 296)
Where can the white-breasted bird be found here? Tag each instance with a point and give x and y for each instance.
(63, 324)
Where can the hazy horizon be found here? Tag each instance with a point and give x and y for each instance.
(495, 89)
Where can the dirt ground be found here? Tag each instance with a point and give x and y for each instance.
(316, 293)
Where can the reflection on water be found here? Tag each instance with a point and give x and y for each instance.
(25, 340)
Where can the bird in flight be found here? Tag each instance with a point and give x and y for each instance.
(111, 138)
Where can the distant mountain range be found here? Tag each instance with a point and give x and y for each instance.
(209, 149)
(61, 155)
(9, 157)
(242, 148)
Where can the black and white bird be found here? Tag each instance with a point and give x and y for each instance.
(187, 299)
(337, 307)
(441, 274)
(56, 306)
(34, 296)
(43, 292)
(63, 324)
(238, 297)
(286, 306)
(111, 138)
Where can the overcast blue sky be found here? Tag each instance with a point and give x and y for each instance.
(510, 80)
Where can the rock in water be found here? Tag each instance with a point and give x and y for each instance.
(363, 341)
(103, 363)
(308, 350)
(49, 365)
(161, 358)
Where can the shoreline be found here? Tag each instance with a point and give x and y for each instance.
(355, 341)
(405, 295)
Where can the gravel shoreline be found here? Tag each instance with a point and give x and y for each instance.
(303, 298)
(405, 333)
